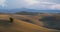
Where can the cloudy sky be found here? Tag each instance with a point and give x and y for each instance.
(32, 4)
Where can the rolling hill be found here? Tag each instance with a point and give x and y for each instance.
(21, 26)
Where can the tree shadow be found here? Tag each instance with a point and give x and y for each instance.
(5, 23)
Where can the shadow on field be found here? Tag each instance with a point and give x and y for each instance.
(4, 23)
(51, 22)
(27, 20)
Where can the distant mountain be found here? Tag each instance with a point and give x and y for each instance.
(33, 10)
(3, 11)
(25, 9)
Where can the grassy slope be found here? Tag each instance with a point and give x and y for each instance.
(28, 27)
(33, 18)
(21, 26)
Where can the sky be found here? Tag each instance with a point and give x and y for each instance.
(31, 4)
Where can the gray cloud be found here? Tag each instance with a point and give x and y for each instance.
(55, 1)
(37, 4)
(2, 3)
